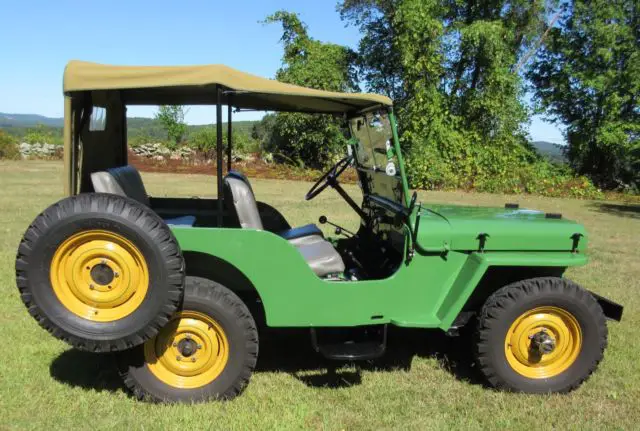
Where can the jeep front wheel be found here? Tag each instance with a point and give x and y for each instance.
(540, 335)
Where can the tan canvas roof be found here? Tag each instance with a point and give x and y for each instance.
(194, 85)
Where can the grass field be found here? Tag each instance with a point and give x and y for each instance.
(426, 382)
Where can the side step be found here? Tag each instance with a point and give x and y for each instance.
(350, 344)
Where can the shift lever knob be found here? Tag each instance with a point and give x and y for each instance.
(322, 219)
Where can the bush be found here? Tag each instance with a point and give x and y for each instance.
(204, 140)
(491, 169)
(142, 139)
(304, 140)
(42, 135)
(8, 147)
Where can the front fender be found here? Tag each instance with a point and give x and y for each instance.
(477, 265)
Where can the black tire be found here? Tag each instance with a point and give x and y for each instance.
(115, 215)
(227, 309)
(507, 304)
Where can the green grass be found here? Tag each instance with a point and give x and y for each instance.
(426, 383)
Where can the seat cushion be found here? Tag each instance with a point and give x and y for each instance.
(103, 182)
(299, 232)
(123, 181)
(322, 257)
(306, 234)
(238, 188)
(187, 220)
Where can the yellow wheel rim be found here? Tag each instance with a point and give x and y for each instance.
(543, 342)
(190, 352)
(99, 275)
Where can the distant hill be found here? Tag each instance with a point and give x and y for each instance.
(553, 152)
(28, 120)
(17, 125)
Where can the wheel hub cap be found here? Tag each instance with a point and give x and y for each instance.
(102, 274)
(99, 275)
(187, 347)
(543, 342)
(189, 352)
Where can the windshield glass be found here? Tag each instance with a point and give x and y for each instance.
(373, 134)
(375, 159)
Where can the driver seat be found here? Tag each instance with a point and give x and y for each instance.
(321, 256)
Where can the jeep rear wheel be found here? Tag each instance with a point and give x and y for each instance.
(207, 351)
(540, 335)
(102, 272)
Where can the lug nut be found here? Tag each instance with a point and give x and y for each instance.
(193, 359)
(178, 358)
(91, 287)
(199, 346)
(175, 344)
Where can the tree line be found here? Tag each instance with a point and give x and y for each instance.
(459, 73)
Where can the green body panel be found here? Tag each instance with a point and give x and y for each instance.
(478, 263)
(428, 292)
(459, 228)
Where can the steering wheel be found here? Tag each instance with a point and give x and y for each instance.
(329, 178)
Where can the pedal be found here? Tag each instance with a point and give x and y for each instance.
(350, 344)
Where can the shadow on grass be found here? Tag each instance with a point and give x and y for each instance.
(289, 351)
(621, 210)
(87, 370)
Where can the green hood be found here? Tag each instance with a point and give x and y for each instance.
(462, 228)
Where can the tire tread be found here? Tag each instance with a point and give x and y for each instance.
(511, 294)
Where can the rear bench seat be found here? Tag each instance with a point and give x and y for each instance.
(126, 181)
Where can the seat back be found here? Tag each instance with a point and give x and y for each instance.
(244, 201)
(123, 181)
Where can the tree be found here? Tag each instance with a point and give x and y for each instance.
(450, 67)
(379, 63)
(587, 77)
(309, 140)
(172, 119)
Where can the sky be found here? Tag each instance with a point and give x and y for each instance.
(38, 37)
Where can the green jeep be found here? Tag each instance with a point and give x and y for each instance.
(179, 288)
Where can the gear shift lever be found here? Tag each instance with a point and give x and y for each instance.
(339, 229)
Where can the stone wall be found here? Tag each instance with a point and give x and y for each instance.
(39, 151)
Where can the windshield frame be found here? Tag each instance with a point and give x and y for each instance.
(392, 149)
